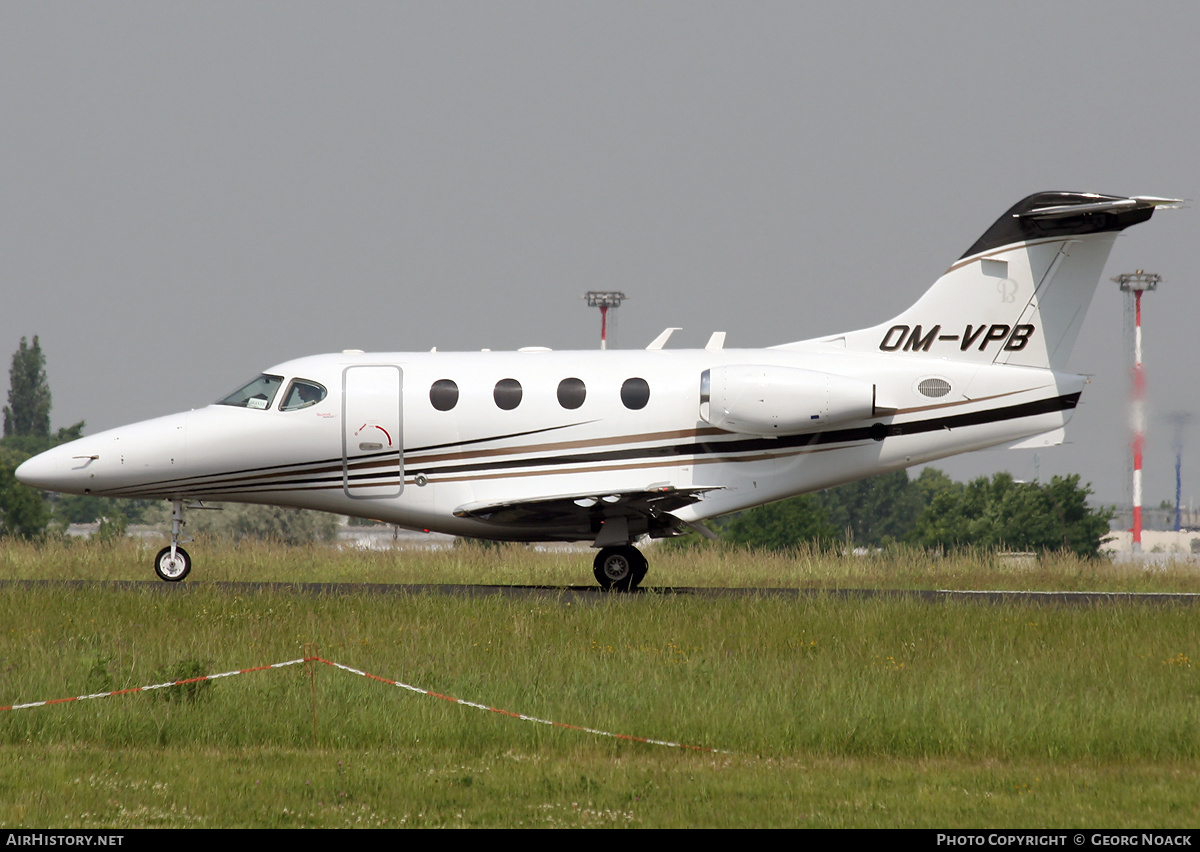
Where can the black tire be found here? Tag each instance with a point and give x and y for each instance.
(641, 566)
(620, 568)
(170, 571)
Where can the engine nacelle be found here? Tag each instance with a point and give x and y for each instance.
(767, 400)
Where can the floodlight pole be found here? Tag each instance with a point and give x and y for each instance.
(604, 299)
(1137, 283)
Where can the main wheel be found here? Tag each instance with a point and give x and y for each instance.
(172, 570)
(620, 568)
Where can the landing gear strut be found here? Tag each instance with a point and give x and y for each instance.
(172, 562)
(620, 568)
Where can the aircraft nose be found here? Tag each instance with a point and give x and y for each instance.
(116, 460)
(61, 469)
(42, 471)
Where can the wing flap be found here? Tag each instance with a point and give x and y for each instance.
(648, 508)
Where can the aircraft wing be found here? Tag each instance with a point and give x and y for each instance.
(592, 515)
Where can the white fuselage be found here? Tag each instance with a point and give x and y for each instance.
(376, 446)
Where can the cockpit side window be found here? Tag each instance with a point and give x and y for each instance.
(256, 394)
(301, 394)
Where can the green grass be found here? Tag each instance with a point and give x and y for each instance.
(833, 712)
(710, 566)
(422, 787)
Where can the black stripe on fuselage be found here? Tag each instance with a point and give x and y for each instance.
(215, 484)
(495, 438)
(877, 431)
(330, 464)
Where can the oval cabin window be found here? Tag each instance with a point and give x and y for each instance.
(635, 393)
(507, 394)
(444, 394)
(571, 393)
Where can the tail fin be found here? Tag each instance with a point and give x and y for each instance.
(1019, 294)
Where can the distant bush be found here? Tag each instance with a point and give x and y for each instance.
(931, 511)
(785, 525)
(239, 522)
(1004, 514)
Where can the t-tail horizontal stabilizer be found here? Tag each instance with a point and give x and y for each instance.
(1019, 294)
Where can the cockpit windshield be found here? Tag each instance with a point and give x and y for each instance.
(257, 394)
(301, 394)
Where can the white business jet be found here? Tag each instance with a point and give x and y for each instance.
(609, 447)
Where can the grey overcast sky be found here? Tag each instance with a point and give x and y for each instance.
(192, 192)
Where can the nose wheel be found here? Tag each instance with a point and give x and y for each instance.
(172, 562)
(620, 568)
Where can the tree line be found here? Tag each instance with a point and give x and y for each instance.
(931, 512)
(25, 512)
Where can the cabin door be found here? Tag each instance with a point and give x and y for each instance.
(372, 454)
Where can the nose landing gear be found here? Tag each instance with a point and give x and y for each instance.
(172, 562)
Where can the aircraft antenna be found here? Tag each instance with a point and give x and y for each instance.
(604, 299)
(1133, 285)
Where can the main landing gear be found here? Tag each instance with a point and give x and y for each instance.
(620, 568)
(172, 562)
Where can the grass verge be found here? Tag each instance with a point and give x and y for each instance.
(835, 712)
(711, 566)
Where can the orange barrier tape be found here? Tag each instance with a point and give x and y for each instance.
(369, 676)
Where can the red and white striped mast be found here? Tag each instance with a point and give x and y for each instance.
(604, 299)
(1135, 284)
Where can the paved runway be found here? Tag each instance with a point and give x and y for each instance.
(595, 594)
